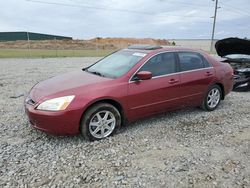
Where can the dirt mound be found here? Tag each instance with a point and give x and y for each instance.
(125, 42)
(100, 43)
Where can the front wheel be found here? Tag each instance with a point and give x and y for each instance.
(100, 121)
(212, 98)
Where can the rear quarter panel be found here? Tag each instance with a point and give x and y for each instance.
(224, 74)
(227, 80)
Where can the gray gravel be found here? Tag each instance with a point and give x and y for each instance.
(187, 148)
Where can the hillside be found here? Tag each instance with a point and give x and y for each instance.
(96, 43)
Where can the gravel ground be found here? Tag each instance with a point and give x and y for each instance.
(187, 148)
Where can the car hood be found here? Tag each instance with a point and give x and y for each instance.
(230, 46)
(64, 84)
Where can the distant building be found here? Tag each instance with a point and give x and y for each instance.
(13, 36)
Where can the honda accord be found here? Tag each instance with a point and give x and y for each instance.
(129, 84)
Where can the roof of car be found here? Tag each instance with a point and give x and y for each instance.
(144, 47)
(152, 48)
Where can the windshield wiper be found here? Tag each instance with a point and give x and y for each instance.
(96, 73)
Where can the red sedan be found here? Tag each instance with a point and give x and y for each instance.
(127, 85)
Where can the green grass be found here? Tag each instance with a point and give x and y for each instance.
(40, 53)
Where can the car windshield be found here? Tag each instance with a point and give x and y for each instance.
(116, 64)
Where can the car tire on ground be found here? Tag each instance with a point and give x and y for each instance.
(100, 121)
(212, 98)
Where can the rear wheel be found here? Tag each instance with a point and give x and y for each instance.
(212, 98)
(100, 121)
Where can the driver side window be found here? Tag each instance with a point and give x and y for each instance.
(161, 64)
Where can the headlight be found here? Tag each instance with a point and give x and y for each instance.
(56, 104)
(243, 85)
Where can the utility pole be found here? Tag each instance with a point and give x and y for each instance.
(56, 46)
(28, 38)
(215, 15)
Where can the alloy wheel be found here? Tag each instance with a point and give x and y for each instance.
(213, 98)
(102, 124)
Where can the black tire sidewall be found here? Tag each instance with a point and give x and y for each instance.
(205, 104)
(91, 112)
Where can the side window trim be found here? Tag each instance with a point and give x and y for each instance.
(178, 67)
(178, 70)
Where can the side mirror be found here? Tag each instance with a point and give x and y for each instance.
(144, 75)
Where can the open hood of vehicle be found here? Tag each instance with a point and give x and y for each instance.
(230, 46)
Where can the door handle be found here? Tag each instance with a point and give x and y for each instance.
(209, 73)
(173, 81)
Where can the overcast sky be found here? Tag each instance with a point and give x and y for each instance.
(169, 19)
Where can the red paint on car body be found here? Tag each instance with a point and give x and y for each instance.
(136, 99)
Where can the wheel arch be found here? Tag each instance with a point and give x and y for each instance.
(222, 89)
(113, 102)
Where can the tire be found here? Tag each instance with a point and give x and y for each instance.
(100, 121)
(212, 98)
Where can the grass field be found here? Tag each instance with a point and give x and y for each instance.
(41, 53)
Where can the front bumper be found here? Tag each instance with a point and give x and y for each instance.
(64, 122)
(241, 84)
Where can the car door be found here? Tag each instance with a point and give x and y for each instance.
(196, 75)
(159, 93)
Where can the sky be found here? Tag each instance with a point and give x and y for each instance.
(163, 19)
